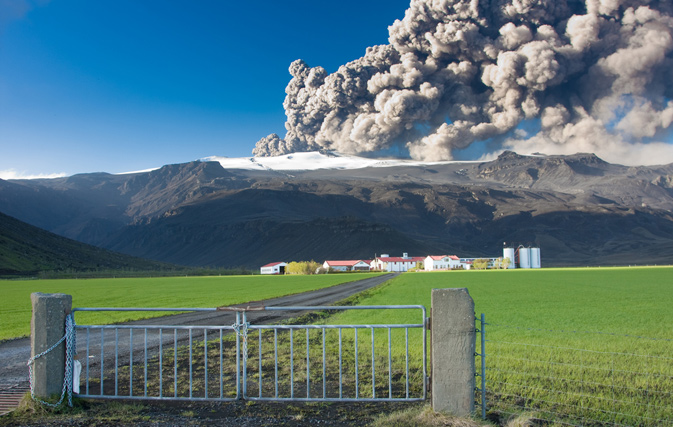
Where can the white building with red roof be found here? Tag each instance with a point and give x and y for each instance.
(273, 268)
(441, 262)
(396, 264)
(348, 265)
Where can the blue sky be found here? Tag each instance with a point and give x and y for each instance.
(115, 86)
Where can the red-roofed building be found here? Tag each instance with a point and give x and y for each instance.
(349, 265)
(273, 268)
(397, 264)
(441, 262)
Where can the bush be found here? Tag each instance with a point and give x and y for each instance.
(480, 264)
(302, 267)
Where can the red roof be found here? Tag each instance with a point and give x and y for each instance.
(438, 257)
(348, 263)
(273, 264)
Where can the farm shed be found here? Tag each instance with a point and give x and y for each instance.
(349, 265)
(273, 268)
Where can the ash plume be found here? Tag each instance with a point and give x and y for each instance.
(587, 76)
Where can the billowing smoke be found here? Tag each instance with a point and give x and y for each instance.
(586, 76)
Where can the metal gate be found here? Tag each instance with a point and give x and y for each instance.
(362, 360)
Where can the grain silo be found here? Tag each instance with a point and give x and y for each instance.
(509, 253)
(524, 257)
(535, 261)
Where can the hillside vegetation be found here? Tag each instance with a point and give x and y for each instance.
(26, 250)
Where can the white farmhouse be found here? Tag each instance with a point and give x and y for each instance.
(396, 264)
(349, 265)
(273, 268)
(441, 262)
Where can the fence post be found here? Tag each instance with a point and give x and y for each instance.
(453, 340)
(47, 326)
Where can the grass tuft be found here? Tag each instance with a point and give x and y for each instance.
(423, 416)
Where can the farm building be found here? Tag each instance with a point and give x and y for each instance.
(404, 263)
(273, 268)
(441, 262)
(350, 265)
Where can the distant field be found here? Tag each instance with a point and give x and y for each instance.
(15, 306)
(625, 301)
(634, 300)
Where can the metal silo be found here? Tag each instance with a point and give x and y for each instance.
(524, 257)
(535, 258)
(509, 253)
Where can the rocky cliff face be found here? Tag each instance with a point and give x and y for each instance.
(579, 209)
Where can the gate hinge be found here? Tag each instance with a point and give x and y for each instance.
(428, 323)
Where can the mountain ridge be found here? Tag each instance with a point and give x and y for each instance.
(201, 214)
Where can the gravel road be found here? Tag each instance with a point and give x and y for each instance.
(15, 353)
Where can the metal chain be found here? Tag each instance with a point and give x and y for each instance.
(242, 331)
(70, 346)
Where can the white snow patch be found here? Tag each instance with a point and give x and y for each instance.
(312, 161)
(14, 174)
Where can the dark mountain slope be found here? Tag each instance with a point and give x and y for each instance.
(82, 207)
(250, 226)
(258, 242)
(579, 209)
(26, 250)
(610, 237)
(155, 192)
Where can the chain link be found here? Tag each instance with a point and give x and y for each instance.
(70, 345)
(242, 331)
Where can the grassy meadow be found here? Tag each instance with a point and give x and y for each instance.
(596, 302)
(635, 300)
(585, 346)
(577, 346)
(169, 292)
(562, 344)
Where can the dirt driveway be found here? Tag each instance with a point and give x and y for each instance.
(15, 353)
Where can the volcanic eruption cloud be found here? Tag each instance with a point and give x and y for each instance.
(551, 76)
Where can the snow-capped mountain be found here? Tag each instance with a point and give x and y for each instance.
(247, 212)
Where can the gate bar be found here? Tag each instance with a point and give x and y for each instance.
(240, 339)
(253, 308)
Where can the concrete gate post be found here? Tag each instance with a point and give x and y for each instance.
(453, 340)
(47, 326)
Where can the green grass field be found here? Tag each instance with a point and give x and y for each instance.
(616, 300)
(169, 292)
(564, 344)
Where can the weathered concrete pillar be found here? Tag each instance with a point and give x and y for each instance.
(47, 326)
(453, 346)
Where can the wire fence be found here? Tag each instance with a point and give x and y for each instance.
(577, 377)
